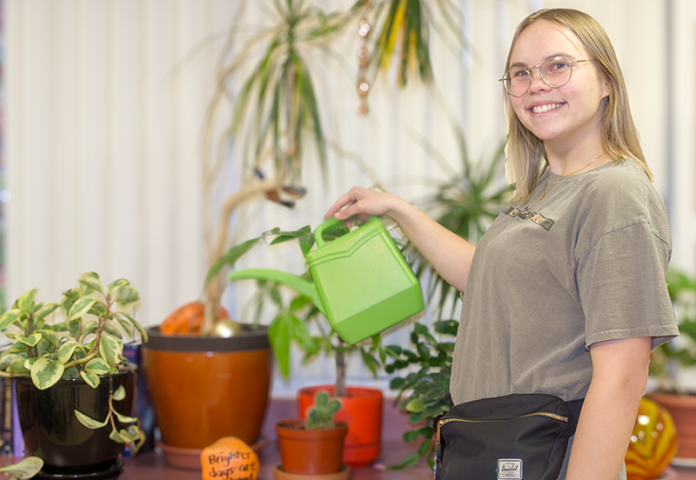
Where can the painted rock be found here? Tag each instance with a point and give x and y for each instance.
(230, 459)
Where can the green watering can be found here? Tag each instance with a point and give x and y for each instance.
(362, 283)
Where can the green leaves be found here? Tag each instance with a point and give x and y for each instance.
(9, 317)
(110, 350)
(27, 468)
(230, 257)
(46, 372)
(90, 378)
(427, 388)
(125, 296)
(81, 307)
(89, 422)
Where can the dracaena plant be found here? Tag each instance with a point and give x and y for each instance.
(78, 337)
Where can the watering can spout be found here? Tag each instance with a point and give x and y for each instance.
(293, 281)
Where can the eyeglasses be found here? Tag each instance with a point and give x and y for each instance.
(555, 72)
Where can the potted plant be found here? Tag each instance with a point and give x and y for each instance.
(423, 391)
(668, 362)
(313, 447)
(74, 387)
(362, 407)
(277, 115)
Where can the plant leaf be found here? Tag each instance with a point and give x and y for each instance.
(46, 372)
(116, 437)
(27, 468)
(81, 307)
(136, 324)
(17, 365)
(110, 350)
(116, 283)
(124, 418)
(126, 296)
(32, 340)
(92, 282)
(90, 422)
(66, 350)
(91, 379)
(97, 366)
(26, 301)
(9, 317)
(50, 336)
(230, 257)
(120, 393)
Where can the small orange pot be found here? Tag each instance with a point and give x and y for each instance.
(362, 411)
(310, 452)
(682, 409)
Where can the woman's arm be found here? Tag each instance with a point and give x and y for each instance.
(450, 254)
(619, 376)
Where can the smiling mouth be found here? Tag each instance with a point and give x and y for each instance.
(546, 108)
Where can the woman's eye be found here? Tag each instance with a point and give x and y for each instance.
(559, 65)
(521, 73)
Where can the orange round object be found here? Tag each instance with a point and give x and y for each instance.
(653, 442)
(187, 320)
(229, 458)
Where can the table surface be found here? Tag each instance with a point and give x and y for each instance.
(151, 466)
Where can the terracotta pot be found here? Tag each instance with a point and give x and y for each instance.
(52, 431)
(682, 408)
(310, 452)
(204, 388)
(362, 411)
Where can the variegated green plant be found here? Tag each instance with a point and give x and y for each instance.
(78, 337)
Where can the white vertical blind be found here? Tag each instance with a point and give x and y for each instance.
(103, 133)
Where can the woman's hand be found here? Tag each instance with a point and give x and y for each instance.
(361, 202)
(447, 252)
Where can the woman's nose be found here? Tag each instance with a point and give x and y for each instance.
(538, 84)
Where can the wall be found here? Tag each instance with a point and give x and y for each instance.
(104, 111)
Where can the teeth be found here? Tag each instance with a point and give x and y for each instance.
(546, 108)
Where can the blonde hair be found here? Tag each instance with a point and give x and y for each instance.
(620, 138)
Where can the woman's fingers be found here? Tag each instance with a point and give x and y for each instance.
(349, 199)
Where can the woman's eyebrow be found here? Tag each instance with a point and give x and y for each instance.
(560, 54)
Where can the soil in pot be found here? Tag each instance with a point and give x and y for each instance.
(310, 452)
(206, 388)
(52, 432)
(362, 411)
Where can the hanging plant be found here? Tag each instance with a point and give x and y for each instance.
(403, 36)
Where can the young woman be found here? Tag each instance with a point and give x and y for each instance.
(565, 294)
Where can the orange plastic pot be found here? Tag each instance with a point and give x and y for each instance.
(310, 452)
(362, 411)
(204, 389)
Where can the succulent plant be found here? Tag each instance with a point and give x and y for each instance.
(320, 415)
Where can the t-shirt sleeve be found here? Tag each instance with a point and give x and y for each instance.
(622, 288)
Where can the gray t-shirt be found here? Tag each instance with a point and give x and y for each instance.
(551, 277)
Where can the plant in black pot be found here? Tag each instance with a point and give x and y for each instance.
(74, 387)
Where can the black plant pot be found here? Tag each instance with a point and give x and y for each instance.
(53, 433)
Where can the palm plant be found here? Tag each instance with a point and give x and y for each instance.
(276, 112)
(403, 37)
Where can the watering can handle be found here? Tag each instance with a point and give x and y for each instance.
(319, 231)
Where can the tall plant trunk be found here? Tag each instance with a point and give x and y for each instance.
(216, 286)
(340, 390)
